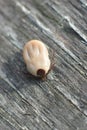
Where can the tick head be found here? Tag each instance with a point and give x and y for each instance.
(41, 73)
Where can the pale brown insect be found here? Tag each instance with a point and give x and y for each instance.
(36, 57)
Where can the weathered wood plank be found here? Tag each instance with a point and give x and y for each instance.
(61, 101)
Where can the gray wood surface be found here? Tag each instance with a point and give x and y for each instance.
(60, 102)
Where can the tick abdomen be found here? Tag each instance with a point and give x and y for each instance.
(36, 57)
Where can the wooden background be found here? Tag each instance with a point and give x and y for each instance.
(60, 102)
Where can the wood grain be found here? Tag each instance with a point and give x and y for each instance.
(60, 102)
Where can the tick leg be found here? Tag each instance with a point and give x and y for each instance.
(52, 62)
(28, 74)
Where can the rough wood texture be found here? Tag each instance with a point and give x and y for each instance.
(60, 102)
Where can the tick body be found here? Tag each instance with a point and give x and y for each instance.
(36, 57)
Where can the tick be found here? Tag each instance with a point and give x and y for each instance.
(36, 57)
